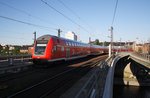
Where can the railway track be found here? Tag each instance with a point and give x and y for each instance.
(54, 85)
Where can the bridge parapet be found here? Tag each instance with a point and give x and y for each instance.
(108, 90)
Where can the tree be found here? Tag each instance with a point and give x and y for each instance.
(1, 49)
(96, 42)
(106, 43)
(16, 50)
(6, 50)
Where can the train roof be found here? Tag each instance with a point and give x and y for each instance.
(44, 37)
(47, 37)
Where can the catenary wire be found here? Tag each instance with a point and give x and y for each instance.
(27, 23)
(64, 15)
(75, 14)
(114, 13)
(26, 13)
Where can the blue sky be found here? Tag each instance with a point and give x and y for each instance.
(95, 16)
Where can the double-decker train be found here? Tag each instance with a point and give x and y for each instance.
(52, 48)
(49, 48)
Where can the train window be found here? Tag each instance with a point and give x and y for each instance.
(55, 48)
(62, 48)
(58, 41)
(40, 49)
(70, 44)
(67, 43)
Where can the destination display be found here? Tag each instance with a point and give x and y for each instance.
(42, 41)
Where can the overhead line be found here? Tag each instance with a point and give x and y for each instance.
(73, 12)
(68, 8)
(59, 12)
(22, 11)
(15, 8)
(64, 15)
(27, 23)
(114, 13)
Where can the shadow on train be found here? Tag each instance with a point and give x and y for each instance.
(45, 64)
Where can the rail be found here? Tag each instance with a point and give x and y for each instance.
(91, 88)
(91, 85)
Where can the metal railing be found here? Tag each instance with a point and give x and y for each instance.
(13, 60)
(144, 56)
(108, 90)
(13, 64)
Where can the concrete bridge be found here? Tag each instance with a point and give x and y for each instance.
(122, 69)
(130, 69)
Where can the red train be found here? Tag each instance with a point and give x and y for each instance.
(52, 48)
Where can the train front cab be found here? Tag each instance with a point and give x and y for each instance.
(41, 51)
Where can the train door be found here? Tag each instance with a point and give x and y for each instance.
(67, 52)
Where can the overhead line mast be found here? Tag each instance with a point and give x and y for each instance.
(111, 29)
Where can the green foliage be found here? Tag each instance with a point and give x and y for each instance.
(1, 49)
(16, 51)
(7, 51)
(96, 42)
(106, 43)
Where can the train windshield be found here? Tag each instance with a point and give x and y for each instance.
(40, 48)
